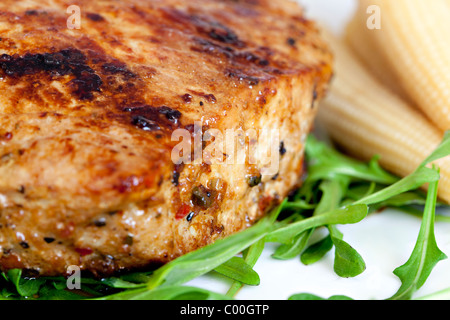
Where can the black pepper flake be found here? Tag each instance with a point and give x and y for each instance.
(21, 189)
(201, 103)
(190, 216)
(282, 148)
(314, 98)
(100, 222)
(253, 181)
(291, 42)
(24, 245)
(49, 240)
(176, 174)
(129, 240)
(175, 178)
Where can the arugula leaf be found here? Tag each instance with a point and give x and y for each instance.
(442, 151)
(251, 256)
(347, 215)
(440, 295)
(325, 162)
(166, 293)
(295, 247)
(425, 255)
(25, 287)
(416, 180)
(237, 269)
(348, 262)
(309, 296)
(114, 282)
(316, 251)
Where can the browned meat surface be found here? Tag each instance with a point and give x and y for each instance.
(87, 116)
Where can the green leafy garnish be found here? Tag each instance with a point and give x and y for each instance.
(338, 190)
(426, 254)
(308, 296)
(237, 269)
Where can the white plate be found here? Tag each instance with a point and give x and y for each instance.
(385, 240)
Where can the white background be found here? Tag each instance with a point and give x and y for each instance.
(385, 240)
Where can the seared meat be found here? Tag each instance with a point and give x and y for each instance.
(87, 169)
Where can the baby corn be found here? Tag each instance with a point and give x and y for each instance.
(361, 40)
(367, 119)
(415, 40)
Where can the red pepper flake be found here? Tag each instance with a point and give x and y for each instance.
(67, 230)
(84, 251)
(183, 211)
(8, 136)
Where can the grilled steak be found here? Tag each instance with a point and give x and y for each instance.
(89, 108)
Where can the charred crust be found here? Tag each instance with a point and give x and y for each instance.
(171, 114)
(187, 98)
(223, 34)
(149, 118)
(62, 63)
(118, 67)
(31, 12)
(205, 26)
(209, 97)
(94, 17)
(239, 75)
(176, 173)
(144, 123)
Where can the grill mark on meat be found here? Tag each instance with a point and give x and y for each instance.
(118, 68)
(210, 98)
(94, 17)
(204, 26)
(246, 62)
(65, 62)
(245, 58)
(149, 118)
